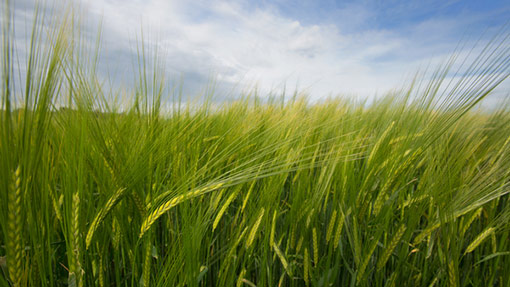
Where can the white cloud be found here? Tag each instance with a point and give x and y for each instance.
(246, 46)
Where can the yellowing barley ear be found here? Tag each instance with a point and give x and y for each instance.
(142, 209)
(331, 226)
(339, 228)
(240, 278)
(163, 208)
(479, 239)
(100, 268)
(391, 281)
(419, 238)
(299, 244)
(292, 238)
(110, 169)
(250, 190)
(253, 232)
(381, 198)
(366, 260)
(283, 260)
(224, 208)
(273, 225)
(117, 235)
(391, 246)
(413, 200)
(14, 236)
(315, 247)
(379, 142)
(55, 204)
(306, 266)
(146, 275)
(216, 199)
(472, 218)
(452, 274)
(309, 218)
(75, 267)
(100, 216)
(494, 242)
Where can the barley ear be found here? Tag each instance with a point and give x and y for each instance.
(379, 201)
(147, 262)
(479, 239)
(100, 216)
(391, 246)
(55, 203)
(253, 232)
(75, 267)
(273, 225)
(306, 266)
(224, 208)
(139, 203)
(366, 260)
(315, 247)
(14, 231)
(239, 282)
(331, 226)
(299, 244)
(339, 228)
(163, 208)
(283, 260)
(452, 274)
(470, 220)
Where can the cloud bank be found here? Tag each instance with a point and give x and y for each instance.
(354, 49)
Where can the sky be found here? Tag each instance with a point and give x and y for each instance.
(322, 48)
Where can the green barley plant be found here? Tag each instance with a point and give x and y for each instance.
(104, 187)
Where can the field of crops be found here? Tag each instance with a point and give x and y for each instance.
(105, 187)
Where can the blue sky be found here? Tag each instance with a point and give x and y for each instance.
(391, 14)
(356, 48)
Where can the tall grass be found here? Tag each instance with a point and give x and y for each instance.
(409, 191)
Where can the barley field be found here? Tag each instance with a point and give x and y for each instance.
(116, 187)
